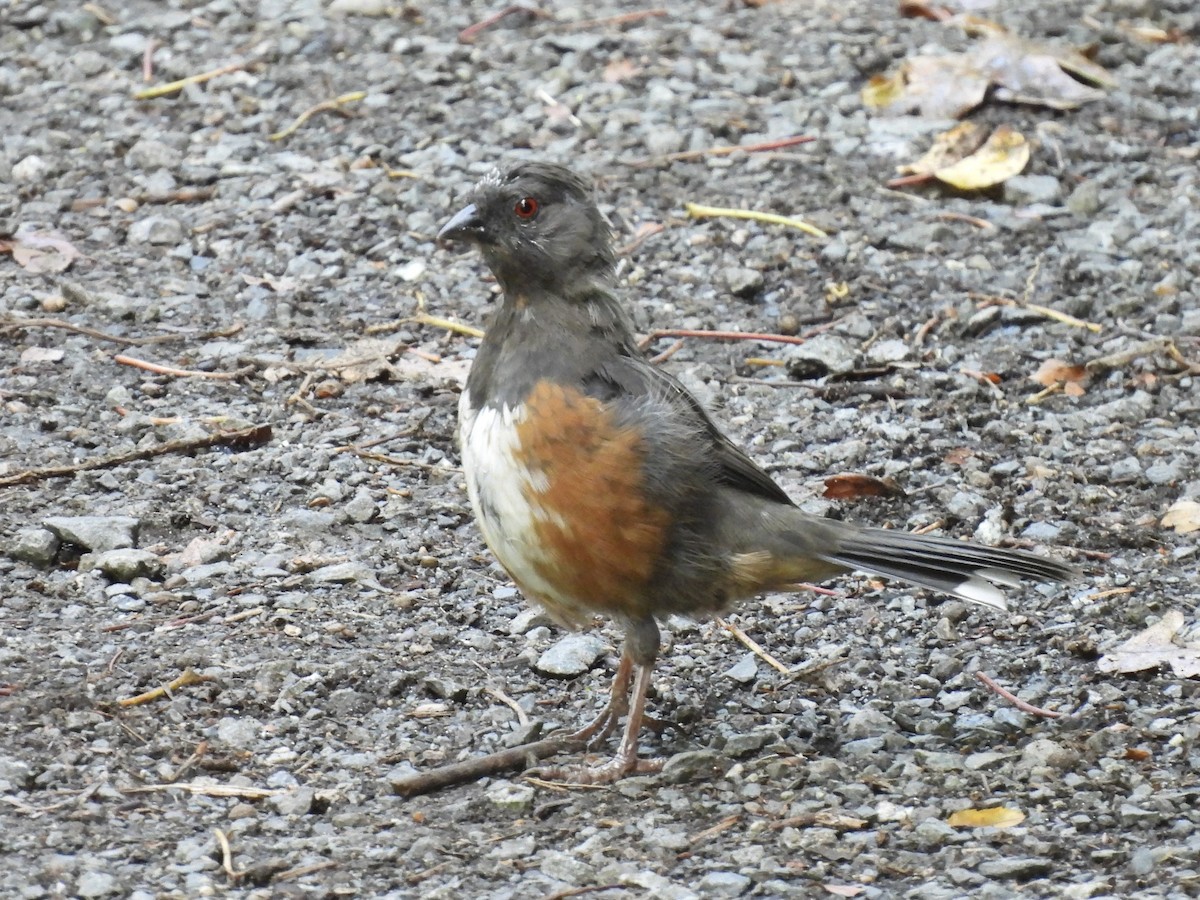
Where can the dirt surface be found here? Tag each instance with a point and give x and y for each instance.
(347, 622)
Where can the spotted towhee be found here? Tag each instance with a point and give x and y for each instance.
(604, 487)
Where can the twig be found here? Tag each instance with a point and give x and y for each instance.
(1015, 700)
(243, 792)
(53, 807)
(983, 378)
(719, 336)
(148, 60)
(158, 369)
(953, 216)
(103, 16)
(724, 825)
(649, 229)
(517, 758)
(671, 351)
(10, 324)
(244, 439)
(190, 676)
(696, 211)
(835, 392)
(172, 87)
(508, 701)
(227, 856)
(468, 34)
(722, 151)
(433, 322)
(1048, 391)
(1111, 592)
(580, 891)
(333, 105)
(623, 19)
(1045, 311)
(301, 871)
(196, 756)
(754, 646)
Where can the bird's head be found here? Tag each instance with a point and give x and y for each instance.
(538, 229)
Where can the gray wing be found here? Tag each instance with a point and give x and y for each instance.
(632, 376)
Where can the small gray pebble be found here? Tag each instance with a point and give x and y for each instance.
(571, 656)
(693, 765)
(37, 546)
(743, 282)
(1017, 867)
(510, 796)
(158, 230)
(95, 884)
(98, 533)
(1026, 190)
(723, 884)
(127, 564)
(744, 671)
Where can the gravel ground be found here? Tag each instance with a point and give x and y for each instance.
(349, 625)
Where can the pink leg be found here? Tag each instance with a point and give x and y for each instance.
(626, 761)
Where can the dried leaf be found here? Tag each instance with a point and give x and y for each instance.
(40, 252)
(619, 70)
(1002, 156)
(1137, 754)
(1022, 71)
(1183, 516)
(936, 87)
(432, 710)
(844, 890)
(852, 486)
(366, 360)
(992, 817)
(278, 285)
(42, 354)
(1163, 643)
(1055, 371)
(948, 148)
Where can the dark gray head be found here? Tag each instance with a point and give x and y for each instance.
(538, 229)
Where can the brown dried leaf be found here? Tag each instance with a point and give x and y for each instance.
(619, 70)
(41, 252)
(936, 87)
(1029, 72)
(1183, 516)
(1163, 643)
(992, 817)
(1054, 371)
(1022, 71)
(852, 486)
(366, 360)
(958, 456)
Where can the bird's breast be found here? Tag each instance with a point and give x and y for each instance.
(558, 488)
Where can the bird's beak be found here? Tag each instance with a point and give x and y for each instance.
(465, 226)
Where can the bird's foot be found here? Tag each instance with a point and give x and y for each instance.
(604, 773)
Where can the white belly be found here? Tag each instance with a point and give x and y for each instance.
(504, 494)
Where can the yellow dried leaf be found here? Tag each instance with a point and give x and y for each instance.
(883, 90)
(1002, 156)
(993, 817)
(948, 148)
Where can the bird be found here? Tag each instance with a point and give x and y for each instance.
(604, 487)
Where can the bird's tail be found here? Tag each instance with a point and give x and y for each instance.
(969, 571)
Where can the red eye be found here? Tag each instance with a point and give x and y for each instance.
(526, 208)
